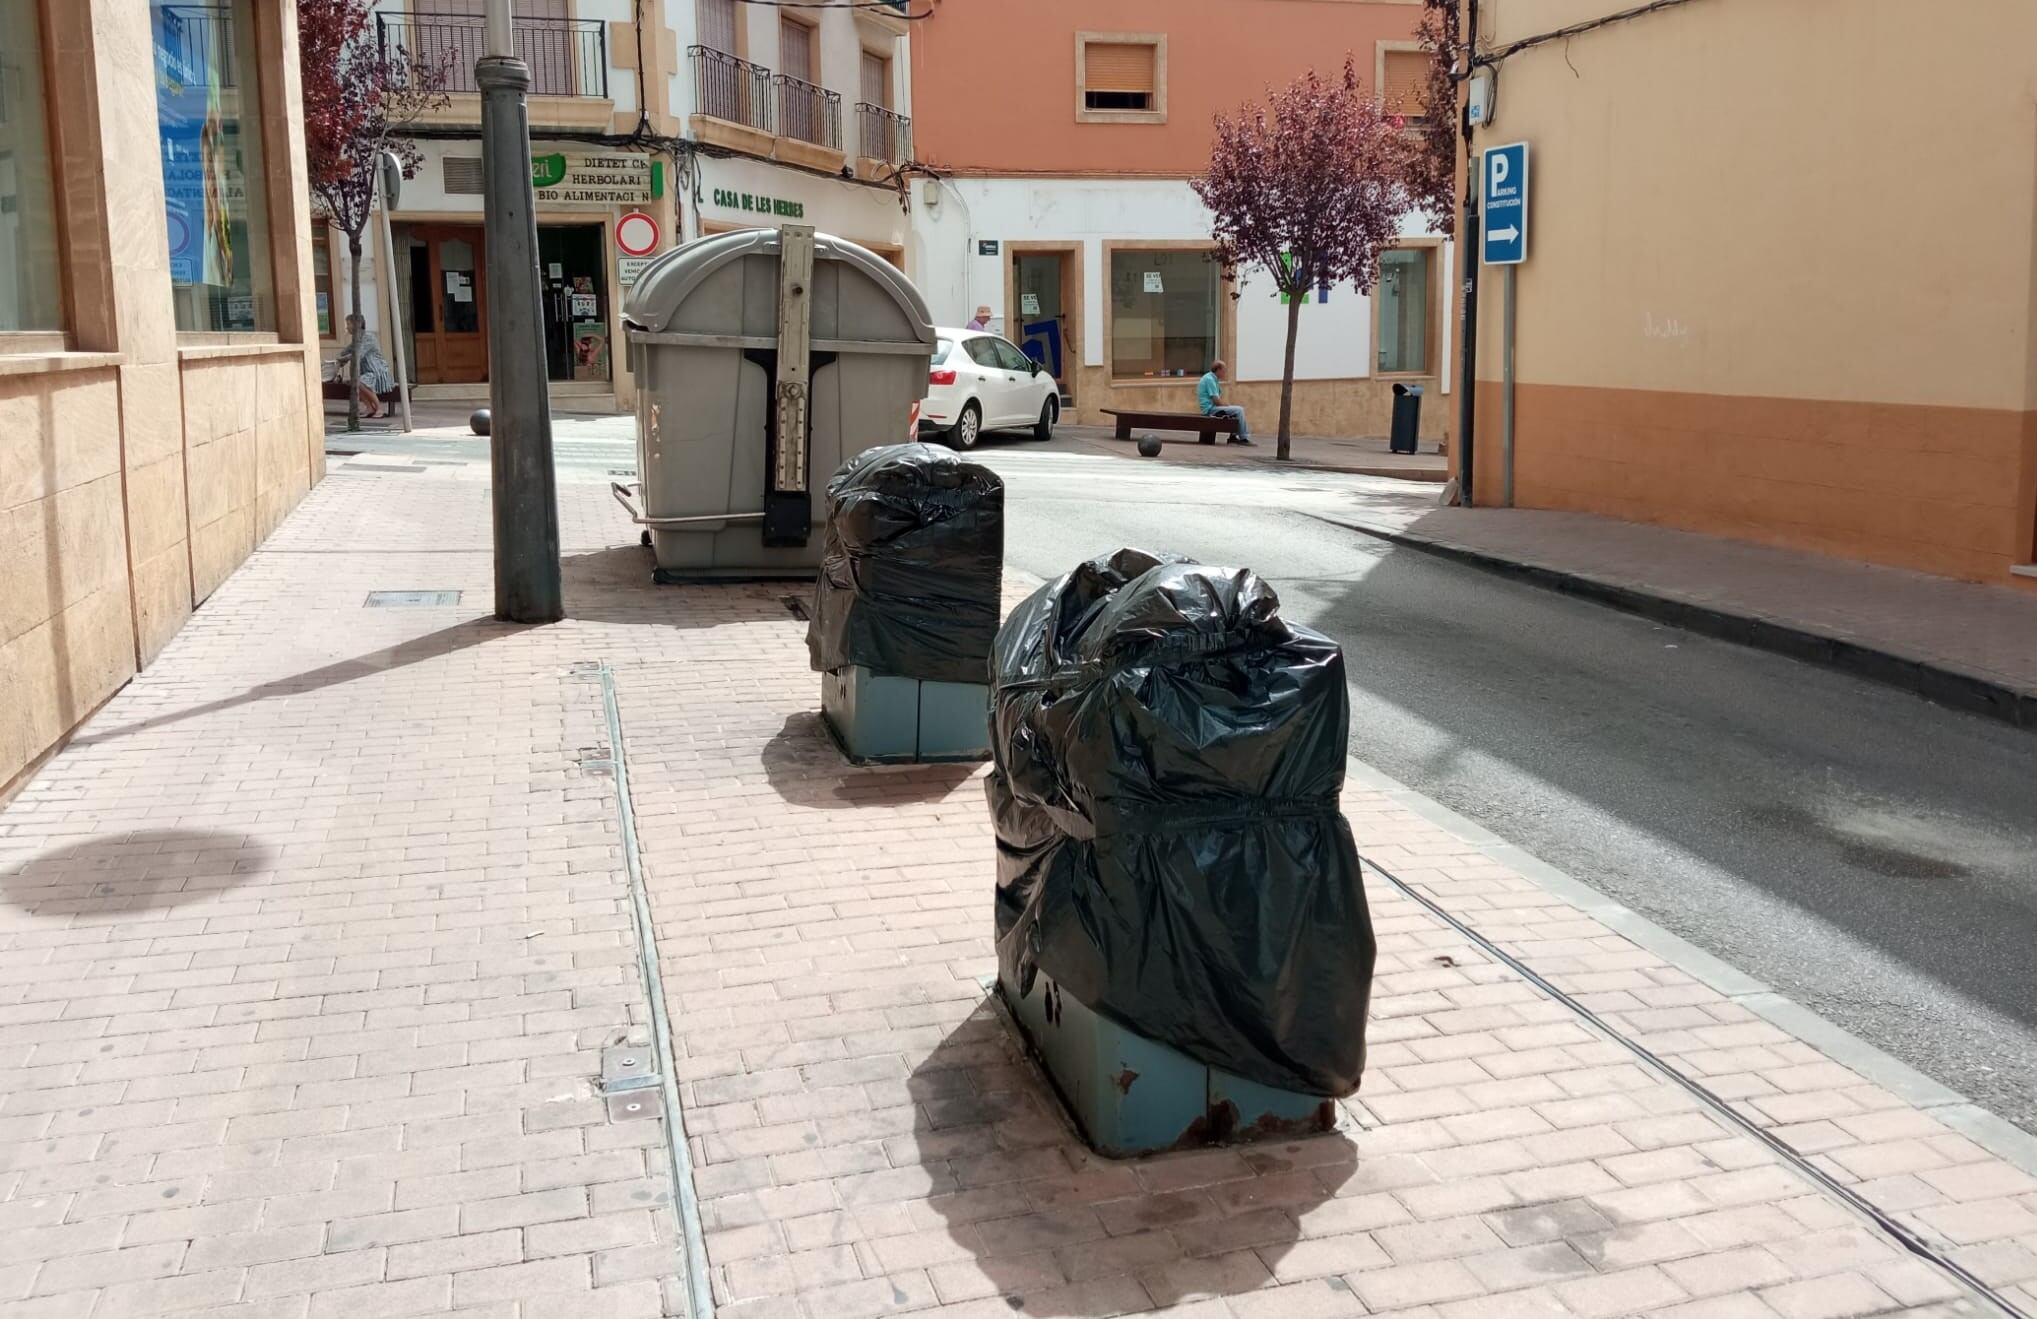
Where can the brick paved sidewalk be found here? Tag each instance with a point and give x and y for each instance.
(310, 946)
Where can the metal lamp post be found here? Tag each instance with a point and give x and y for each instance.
(525, 487)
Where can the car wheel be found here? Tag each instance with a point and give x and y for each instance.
(968, 428)
(1050, 412)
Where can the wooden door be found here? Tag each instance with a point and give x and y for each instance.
(450, 301)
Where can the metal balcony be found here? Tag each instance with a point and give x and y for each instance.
(567, 56)
(731, 89)
(809, 113)
(882, 134)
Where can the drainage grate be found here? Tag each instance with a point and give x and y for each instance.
(796, 607)
(410, 599)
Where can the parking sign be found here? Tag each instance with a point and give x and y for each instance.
(1504, 212)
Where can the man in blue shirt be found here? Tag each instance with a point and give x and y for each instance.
(1207, 394)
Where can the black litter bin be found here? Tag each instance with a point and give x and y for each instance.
(1407, 418)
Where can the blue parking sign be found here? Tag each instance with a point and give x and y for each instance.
(1504, 206)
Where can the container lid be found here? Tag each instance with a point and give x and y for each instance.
(664, 286)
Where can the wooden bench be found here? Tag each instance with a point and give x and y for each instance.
(1206, 428)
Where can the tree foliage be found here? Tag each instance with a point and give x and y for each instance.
(358, 98)
(1432, 171)
(1309, 187)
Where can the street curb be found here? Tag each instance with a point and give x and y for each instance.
(1264, 463)
(1952, 688)
(1995, 1134)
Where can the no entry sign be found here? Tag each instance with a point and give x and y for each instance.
(636, 234)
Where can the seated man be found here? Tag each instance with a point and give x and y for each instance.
(1207, 394)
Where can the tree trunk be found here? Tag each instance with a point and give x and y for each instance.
(1287, 372)
(354, 344)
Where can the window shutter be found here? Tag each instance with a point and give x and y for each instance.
(876, 80)
(718, 25)
(795, 50)
(1407, 77)
(1118, 66)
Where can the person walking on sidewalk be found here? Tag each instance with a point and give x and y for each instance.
(1208, 394)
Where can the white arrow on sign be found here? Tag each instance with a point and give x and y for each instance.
(1506, 235)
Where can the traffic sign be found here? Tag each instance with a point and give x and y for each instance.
(636, 234)
(1504, 205)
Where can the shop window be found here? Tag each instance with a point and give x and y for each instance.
(1402, 304)
(321, 275)
(1164, 312)
(208, 106)
(1120, 77)
(1404, 77)
(31, 295)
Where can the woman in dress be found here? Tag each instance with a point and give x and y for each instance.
(376, 377)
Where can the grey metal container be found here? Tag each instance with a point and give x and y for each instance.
(736, 337)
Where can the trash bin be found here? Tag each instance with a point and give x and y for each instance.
(907, 604)
(764, 358)
(1182, 932)
(1407, 419)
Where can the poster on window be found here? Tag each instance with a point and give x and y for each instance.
(590, 350)
(202, 186)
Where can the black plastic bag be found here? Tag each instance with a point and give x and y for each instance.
(912, 566)
(1169, 753)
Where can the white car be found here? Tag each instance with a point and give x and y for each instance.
(979, 382)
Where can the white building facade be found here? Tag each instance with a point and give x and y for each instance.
(1112, 283)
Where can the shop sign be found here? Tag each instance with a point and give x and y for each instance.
(588, 180)
(761, 205)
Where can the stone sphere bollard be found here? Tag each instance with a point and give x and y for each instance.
(479, 421)
(1149, 446)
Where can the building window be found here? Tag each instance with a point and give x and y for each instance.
(876, 83)
(31, 292)
(1120, 77)
(795, 50)
(1403, 80)
(718, 26)
(1402, 299)
(208, 107)
(321, 274)
(1164, 312)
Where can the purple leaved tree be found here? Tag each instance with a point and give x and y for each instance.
(1310, 188)
(358, 97)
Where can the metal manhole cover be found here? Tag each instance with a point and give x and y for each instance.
(411, 599)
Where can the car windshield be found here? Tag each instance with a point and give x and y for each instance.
(942, 347)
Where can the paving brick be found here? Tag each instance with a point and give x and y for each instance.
(522, 1210)
(384, 1300)
(457, 1254)
(1633, 1291)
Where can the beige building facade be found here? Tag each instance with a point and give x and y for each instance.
(1781, 280)
(159, 390)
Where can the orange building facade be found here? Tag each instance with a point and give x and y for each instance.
(1061, 202)
(1771, 292)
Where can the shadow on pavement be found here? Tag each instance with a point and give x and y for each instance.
(614, 586)
(1056, 1230)
(432, 645)
(806, 769)
(130, 872)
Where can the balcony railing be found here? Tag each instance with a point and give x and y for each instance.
(567, 56)
(883, 134)
(809, 113)
(731, 89)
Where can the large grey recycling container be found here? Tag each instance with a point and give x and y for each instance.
(703, 326)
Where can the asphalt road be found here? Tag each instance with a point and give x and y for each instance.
(1868, 854)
